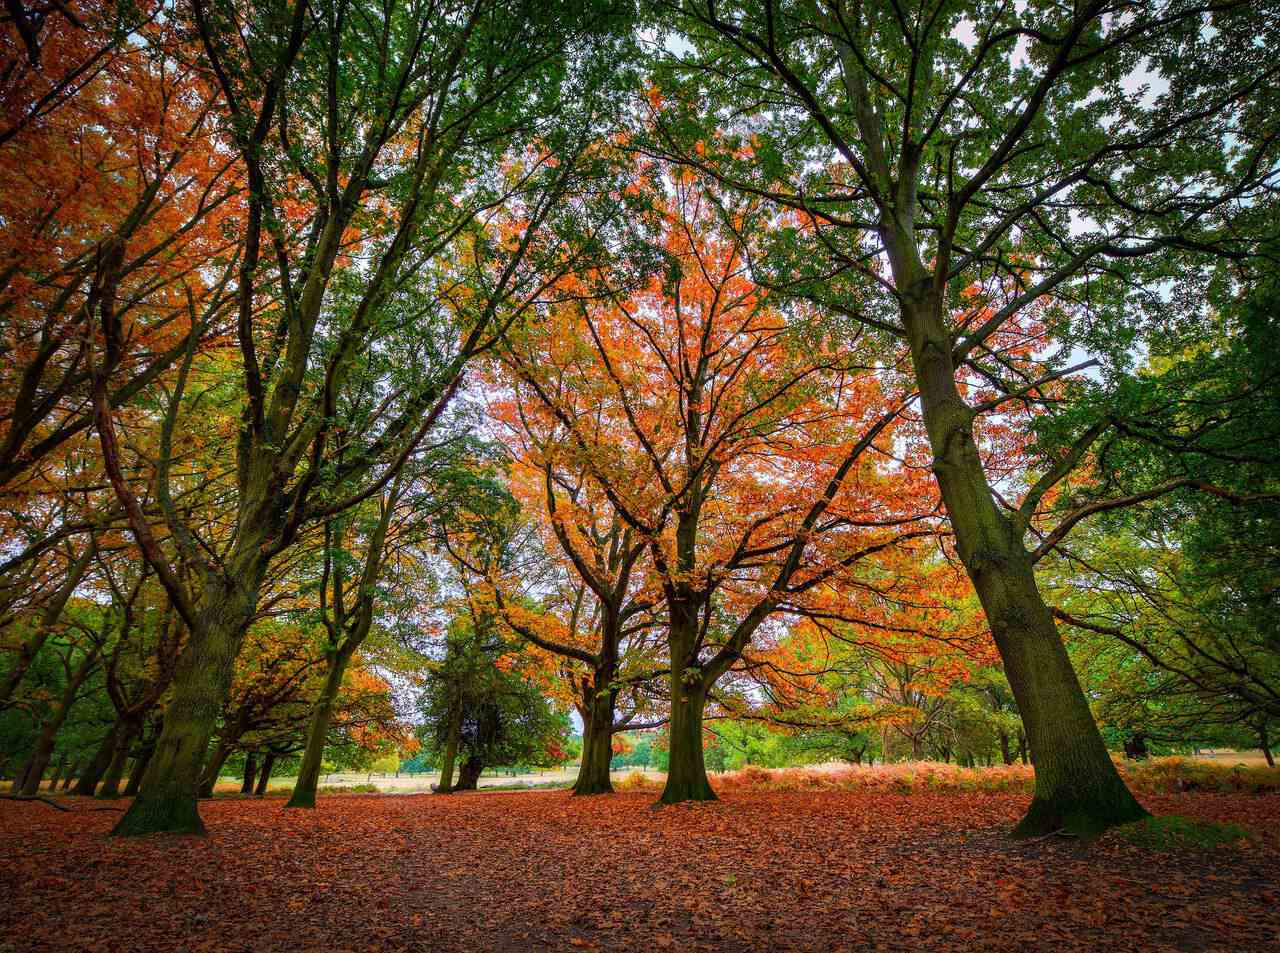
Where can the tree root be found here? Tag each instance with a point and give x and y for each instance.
(35, 797)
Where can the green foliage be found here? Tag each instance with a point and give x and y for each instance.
(1172, 832)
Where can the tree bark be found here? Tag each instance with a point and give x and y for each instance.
(57, 772)
(70, 776)
(597, 744)
(87, 783)
(304, 788)
(1264, 742)
(687, 769)
(450, 752)
(1004, 748)
(49, 732)
(264, 774)
(250, 773)
(167, 799)
(115, 772)
(213, 770)
(469, 774)
(139, 769)
(1077, 786)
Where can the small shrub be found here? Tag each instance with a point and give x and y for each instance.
(636, 781)
(348, 789)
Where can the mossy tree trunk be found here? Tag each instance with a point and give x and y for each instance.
(304, 789)
(687, 768)
(115, 771)
(250, 773)
(1077, 786)
(597, 735)
(43, 751)
(469, 774)
(264, 774)
(166, 802)
(450, 751)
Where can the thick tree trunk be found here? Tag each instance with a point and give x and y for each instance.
(304, 789)
(250, 773)
(264, 774)
(1077, 786)
(687, 769)
(597, 745)
(469, 774)
(167, 800)
(1004, 748)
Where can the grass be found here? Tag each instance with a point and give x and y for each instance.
(1173, 832)
(1159, 776)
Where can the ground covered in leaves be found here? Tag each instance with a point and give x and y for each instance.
(804, 871)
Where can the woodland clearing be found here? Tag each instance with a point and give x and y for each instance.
(544, 870)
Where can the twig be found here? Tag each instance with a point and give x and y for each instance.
(35, 797)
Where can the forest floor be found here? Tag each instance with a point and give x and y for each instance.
(542, 870)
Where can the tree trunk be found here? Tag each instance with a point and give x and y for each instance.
(57, 772)
(450, 752)
(70, 775)
(687, 769)
(49, 733)
(115, 772)
(304, 789)
(1264, 742)
(167, 800)
(250, 773)
(597, 744)
(87, 784)
(139, 769)
(1004, 748)
(264, 774)
(213, 770)
(469, 774)
(1077, 786)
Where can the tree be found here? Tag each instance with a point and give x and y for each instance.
(738, 441)
(953, 171)
(420, 142)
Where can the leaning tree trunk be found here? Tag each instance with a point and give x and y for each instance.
(87, 784)
(304, 789)
(167, 799)
(597, 743)
(469, 774)
(1078, 788)
(264, 774)
(213, 770)
(39, 762)
(115, 772)
(1264, 742)
(250, 773)
(139, 768)
(30, 648)
(450, 752)
(57, 772)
